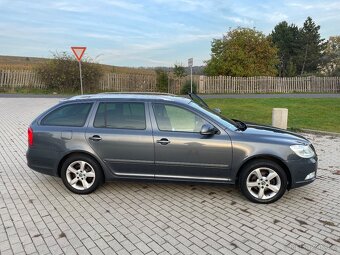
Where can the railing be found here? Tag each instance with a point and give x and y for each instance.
(128, 82)
(226, 84)
(206, 84)
(20, 78)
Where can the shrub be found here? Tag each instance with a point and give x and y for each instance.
(161, 80)
(62, 73)
(179, 71)
(186, 88)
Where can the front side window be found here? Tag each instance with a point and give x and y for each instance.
(73, 115)
(230, 124)
(121, 115)
(173, 118)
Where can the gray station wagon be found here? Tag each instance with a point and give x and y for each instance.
(89, 139)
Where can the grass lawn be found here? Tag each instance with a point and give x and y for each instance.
(311, 113)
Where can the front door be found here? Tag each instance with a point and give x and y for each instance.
(182, 152)
(121, 135)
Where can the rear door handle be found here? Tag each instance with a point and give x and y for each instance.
(95, 138)
(163, 141)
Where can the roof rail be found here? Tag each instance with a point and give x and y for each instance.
(141, 93)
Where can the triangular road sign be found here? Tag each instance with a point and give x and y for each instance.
(78, 52)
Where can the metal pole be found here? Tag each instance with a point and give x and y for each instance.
(191, 79)
(169, 81)
(81, 79)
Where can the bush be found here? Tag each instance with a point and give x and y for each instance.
(62, 74)
(186, 89)
(161, 80)
(336, 72)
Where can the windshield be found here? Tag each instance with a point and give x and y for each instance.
(216, 116)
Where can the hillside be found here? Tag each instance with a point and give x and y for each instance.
(19, 62)
(13, 62)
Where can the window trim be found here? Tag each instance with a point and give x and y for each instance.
(178, 106)
(117, 102)
(65, 105)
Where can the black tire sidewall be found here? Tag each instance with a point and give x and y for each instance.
(258, 164)
(96, 167)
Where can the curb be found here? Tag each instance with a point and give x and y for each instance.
(19, 95)
(317, 132)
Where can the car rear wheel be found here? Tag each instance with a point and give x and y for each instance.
(263, 181)
(81, 174)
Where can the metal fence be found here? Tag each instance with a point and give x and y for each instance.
(205, 84)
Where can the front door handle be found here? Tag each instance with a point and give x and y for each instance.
(163, 141)
(95, 138)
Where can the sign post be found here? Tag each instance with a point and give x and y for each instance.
(78, 53)
(190, 64)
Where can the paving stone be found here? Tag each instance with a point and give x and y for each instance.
(39, 215)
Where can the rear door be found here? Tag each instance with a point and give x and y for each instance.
(121, 135)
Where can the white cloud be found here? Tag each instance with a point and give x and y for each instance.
(240, 20)
(142, 51)
(104, 36)
(320, 5)
(276, 17)
(70, 6)
(256, 14)
(125, 5)
(192, 5)
(147, 30)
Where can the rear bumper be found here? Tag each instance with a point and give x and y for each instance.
(42, 161)
(299, 169)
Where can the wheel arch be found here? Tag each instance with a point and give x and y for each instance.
(72, 153)
(272, 158)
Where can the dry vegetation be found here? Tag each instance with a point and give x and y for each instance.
(19, 63)
(27, 63)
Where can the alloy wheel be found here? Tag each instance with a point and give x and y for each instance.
(263, 183)
(80, 175)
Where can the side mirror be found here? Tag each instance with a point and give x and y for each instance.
(218, 110)
(208, 129)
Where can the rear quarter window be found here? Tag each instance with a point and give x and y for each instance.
(73, 115)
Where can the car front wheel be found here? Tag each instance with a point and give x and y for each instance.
(263, 181)
(81, 174)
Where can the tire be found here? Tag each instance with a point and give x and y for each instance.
(257, 187)
(81, 174)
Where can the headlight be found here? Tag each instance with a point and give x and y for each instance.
(303, 151)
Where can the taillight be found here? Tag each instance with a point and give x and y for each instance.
(30, 136)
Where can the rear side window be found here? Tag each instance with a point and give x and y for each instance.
(73, 115)
(121, 115)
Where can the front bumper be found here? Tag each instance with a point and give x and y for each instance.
(299, 169)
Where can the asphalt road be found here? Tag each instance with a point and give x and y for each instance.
(272, 96)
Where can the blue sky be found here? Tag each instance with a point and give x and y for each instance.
(146, 33)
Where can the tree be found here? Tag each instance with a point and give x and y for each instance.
(330, 65)
(286, 39)
(179, 71)
(161, 80)
(62, 73)
(311, 47)
(242, 52)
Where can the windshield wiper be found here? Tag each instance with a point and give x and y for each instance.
(240, 125)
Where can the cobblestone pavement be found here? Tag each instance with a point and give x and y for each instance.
(38, 214)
